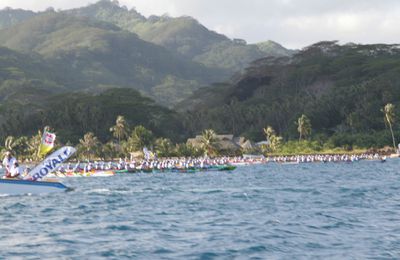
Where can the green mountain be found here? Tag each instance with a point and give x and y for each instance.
(99, 51)
(95, 54)
(341, 88)
(183, 35)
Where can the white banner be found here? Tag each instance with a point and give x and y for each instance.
(51, 163)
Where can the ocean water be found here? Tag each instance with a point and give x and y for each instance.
(306, 211)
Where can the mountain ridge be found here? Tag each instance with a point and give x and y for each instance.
(183, 35)
(98, 52)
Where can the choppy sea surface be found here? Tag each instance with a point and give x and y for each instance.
(273, 211)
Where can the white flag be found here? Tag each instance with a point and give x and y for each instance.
(47, 143)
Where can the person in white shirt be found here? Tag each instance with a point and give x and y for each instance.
(8, 163)
(15, 171)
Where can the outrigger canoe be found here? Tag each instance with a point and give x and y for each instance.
(179, 170)
(20, 187)
(82, 174)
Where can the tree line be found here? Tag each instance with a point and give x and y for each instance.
(127, 140)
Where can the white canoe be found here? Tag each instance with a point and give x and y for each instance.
(19, 187)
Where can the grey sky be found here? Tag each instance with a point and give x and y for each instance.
(293, 23)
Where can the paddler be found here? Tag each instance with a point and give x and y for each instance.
(15, 171)
(8, 163)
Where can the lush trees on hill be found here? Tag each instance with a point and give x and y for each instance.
(74, 114)
(90, 147)
(341, 89)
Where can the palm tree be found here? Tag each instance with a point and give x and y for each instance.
(303, 126)
(269, 131)
(9, 143)
(89, 145)
(140, 138)
(33, 145)
(163, 147)
(109, 151)
(187, 150)
(388, 110)
(274, 140)
(120, 130)
(209, 142)
(21, 146)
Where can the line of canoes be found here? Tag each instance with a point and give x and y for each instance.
(109, 173)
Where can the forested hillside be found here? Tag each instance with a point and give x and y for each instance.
(74, 114)
(341, 88)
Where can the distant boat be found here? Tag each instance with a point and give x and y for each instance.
(21, 187)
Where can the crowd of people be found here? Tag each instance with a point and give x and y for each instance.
(13, 170)
(327, 158)
(205, 163)
(146, 164)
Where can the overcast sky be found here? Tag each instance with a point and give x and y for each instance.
(293, 23)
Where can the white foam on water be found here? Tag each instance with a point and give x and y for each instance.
(98, 191)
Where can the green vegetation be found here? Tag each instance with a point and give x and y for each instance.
(275, 141)
(139, 139)
(74, 114)
(208, 142)
(341, 89)
(389, 119)
(88, 146)
(303, 127)
(120, 130)
(164, 147)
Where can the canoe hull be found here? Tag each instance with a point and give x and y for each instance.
(19, 187)
(82, 174)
